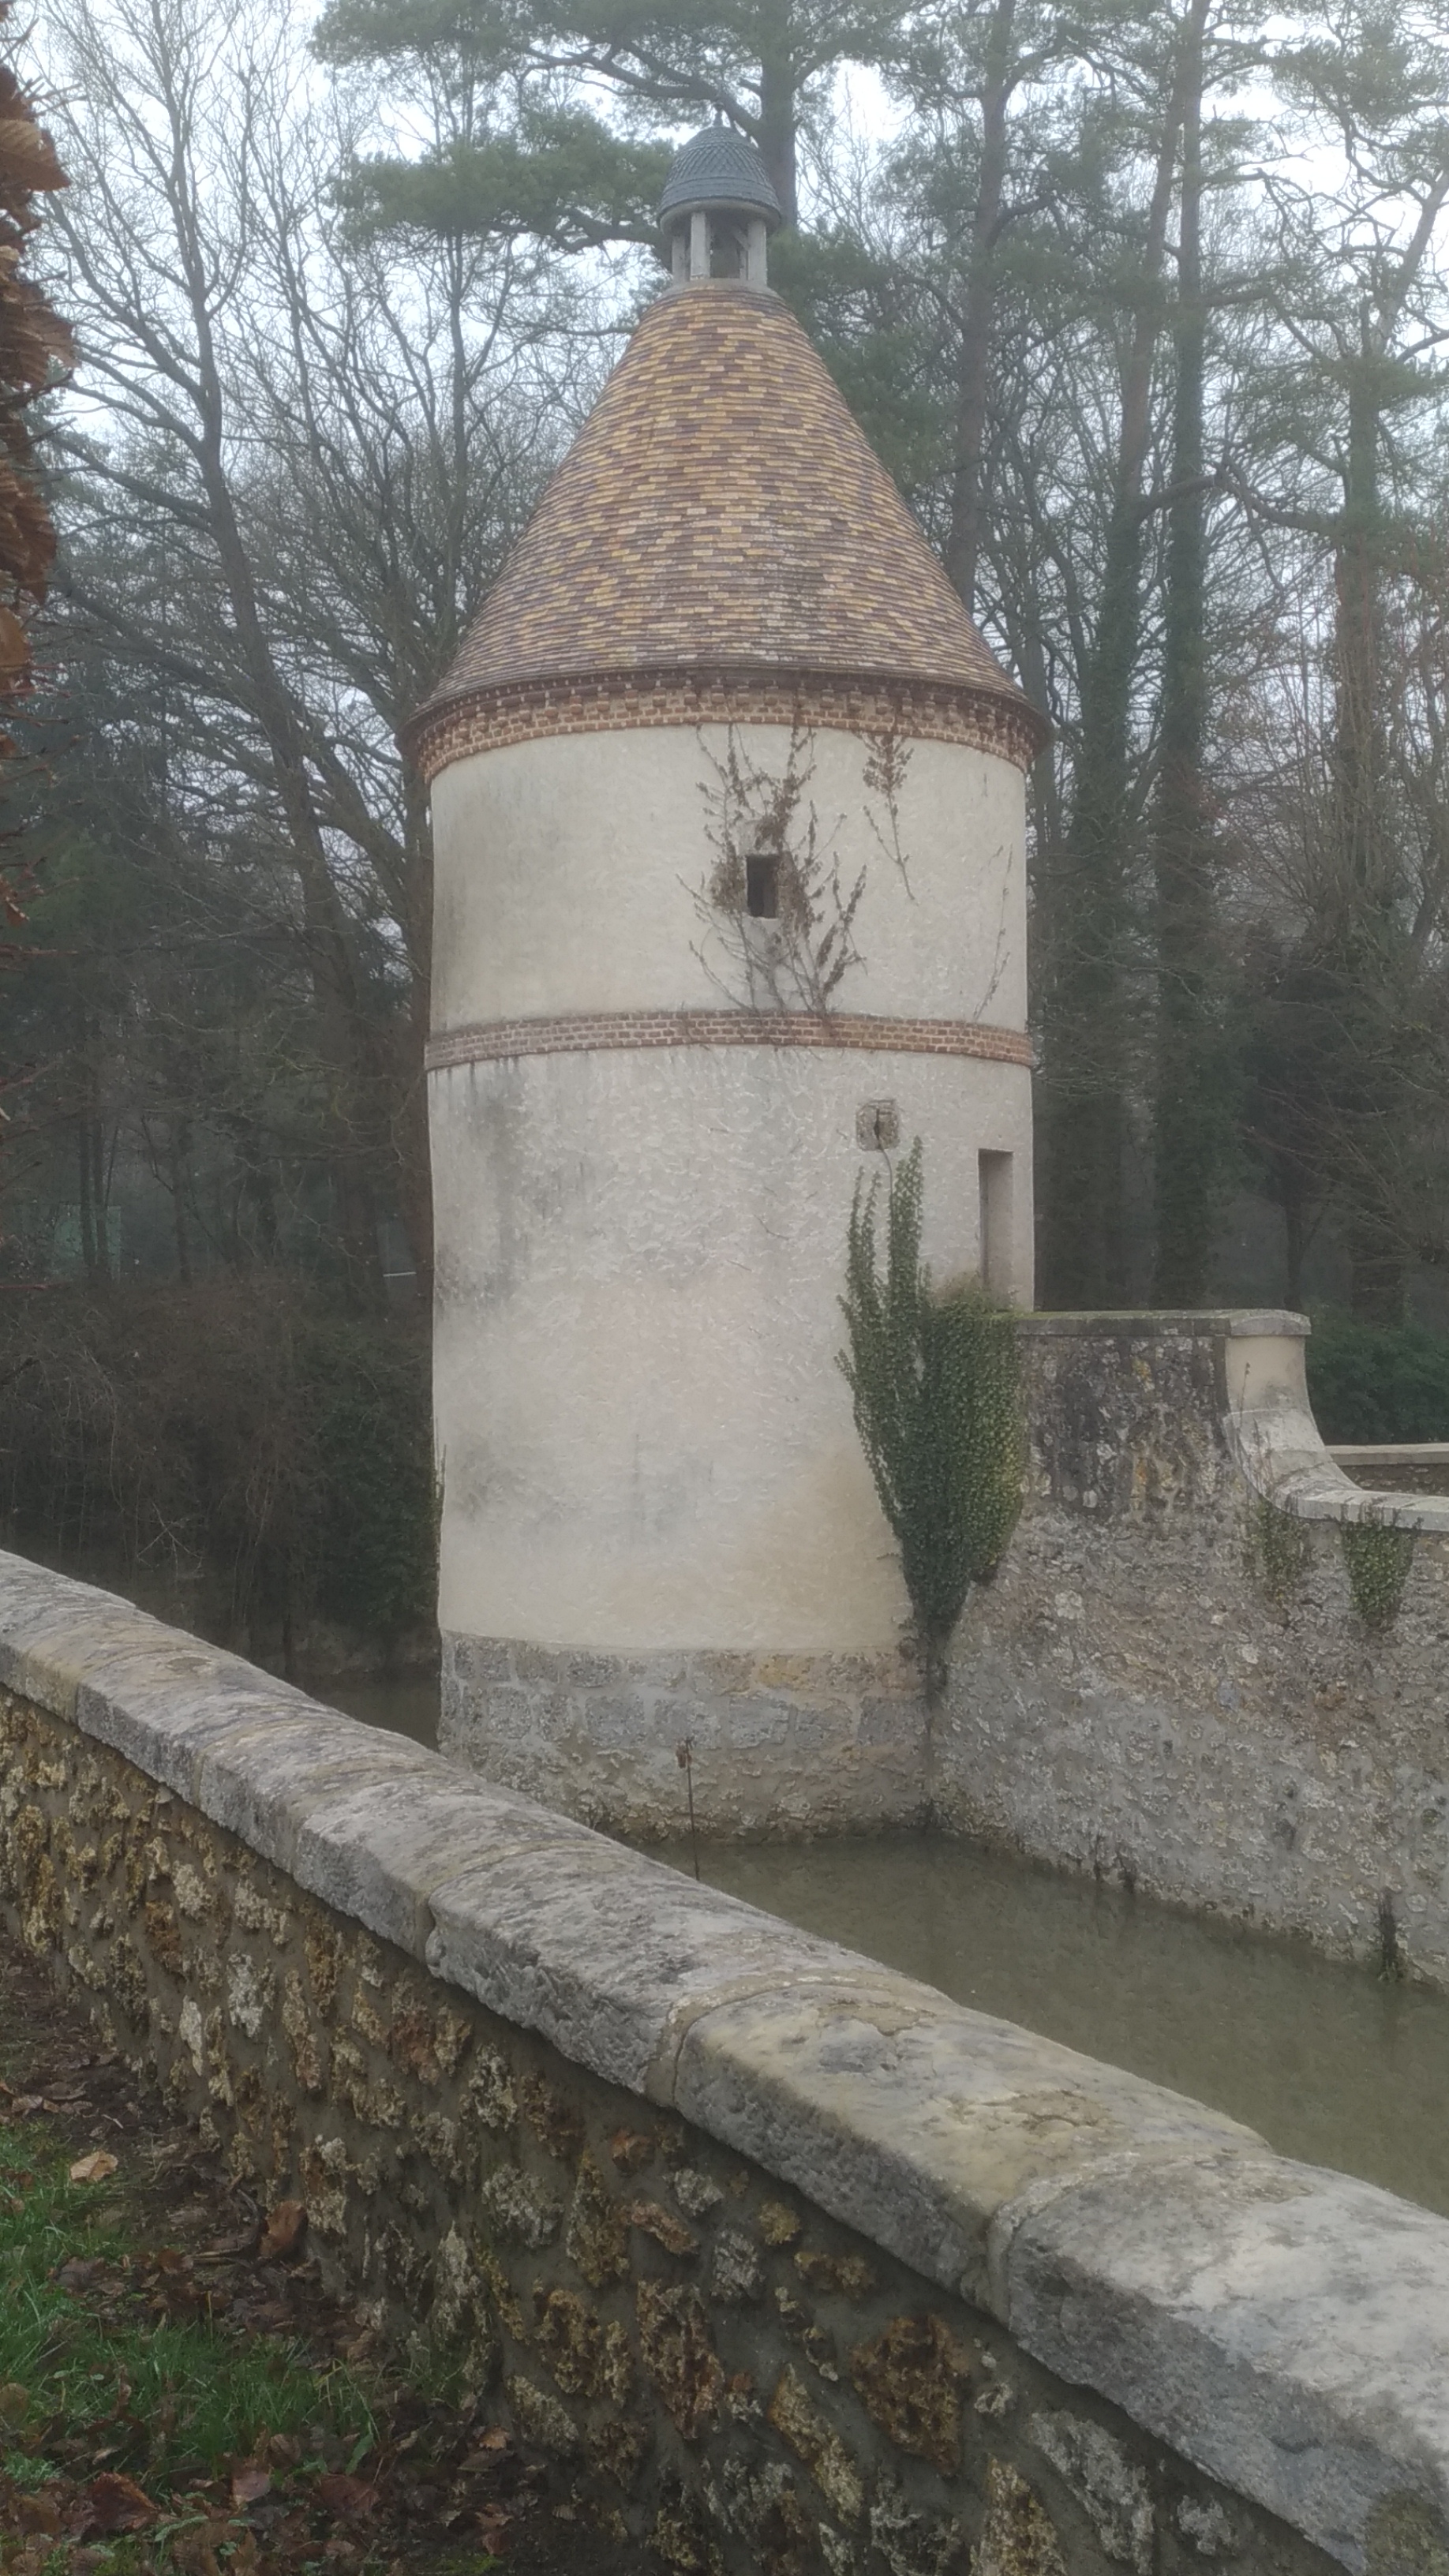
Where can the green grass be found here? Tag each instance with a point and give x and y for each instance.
(158, 2399)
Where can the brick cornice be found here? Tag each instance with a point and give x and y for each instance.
(493, 719)
(603, 1032)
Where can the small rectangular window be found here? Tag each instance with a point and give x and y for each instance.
(762, 886)
(996, 1224)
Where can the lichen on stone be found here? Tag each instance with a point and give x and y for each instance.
(815, 2441)
(540, 2418)
(678, 2354)
(909, 2379)
(1109, 2486)
(653, 2219)
(520, 2210)
(597, 2237)
(1017, 2539)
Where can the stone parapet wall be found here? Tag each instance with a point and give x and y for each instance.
(790, 2263)
(1168, 1681)
(1397, 1467)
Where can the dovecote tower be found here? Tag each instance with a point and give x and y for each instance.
(728, 818)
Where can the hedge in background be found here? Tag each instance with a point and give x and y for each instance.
(1378, 1382)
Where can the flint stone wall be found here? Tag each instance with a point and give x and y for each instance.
(791, 2264)
(1168, 1681)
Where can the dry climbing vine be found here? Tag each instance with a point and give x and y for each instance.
(1279, 1550)
(796, 958)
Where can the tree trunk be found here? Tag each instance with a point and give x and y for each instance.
(178, 1147)
(1083, 1121)
(1189, 1106)
(963, 542)
(777, 136)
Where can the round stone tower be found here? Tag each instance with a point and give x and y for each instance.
(728, 816)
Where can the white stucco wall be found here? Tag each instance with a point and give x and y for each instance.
(645, 1439)
(568, 874)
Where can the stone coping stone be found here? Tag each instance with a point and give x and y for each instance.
(1284, 2327)
(1390, 1453)
(1145, 1324)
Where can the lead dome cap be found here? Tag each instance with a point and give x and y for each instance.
(719, 172)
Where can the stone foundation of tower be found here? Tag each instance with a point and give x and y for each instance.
(779, 1745)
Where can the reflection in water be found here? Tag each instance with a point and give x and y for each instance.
(1327, 2062)
(409, 1704)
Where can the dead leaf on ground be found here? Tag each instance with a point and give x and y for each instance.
(193, 2553)
(345, 2495)
(493, 2528)
(114, 2503)
(283, 2229)
(225, 2247)
(14, 2402)
(39, 2512)
(249, 2483)
(97, 2167)
(79, 2272)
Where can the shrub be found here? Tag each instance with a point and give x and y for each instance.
(936, 1385)
(1373, 1382)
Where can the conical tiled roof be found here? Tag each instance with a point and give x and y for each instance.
(721, 510)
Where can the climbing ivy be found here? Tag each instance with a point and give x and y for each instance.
(1279, 1550)
(936, 1385)
(1378, 1557)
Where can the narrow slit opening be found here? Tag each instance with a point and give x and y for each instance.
(762, 886)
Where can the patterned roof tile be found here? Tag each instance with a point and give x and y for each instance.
(721, 509)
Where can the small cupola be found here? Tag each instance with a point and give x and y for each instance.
(718, 210)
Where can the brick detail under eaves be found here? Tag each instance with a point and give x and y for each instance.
(493, 719)
(584, 1033)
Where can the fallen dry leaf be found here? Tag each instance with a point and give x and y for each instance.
(226, 2246)
(113, 2503)
(96, 2167)
(283, 2229)
(79, 2272)
(39, 2512)
(14, 2402)
(249, 2483)
(345, 2495)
